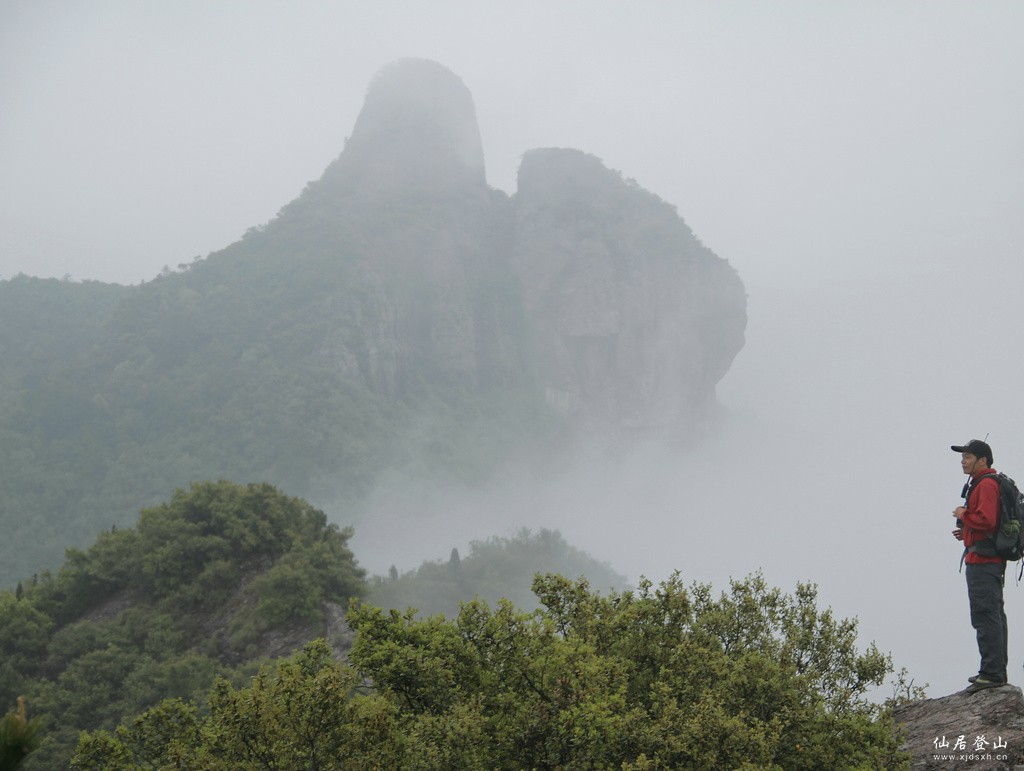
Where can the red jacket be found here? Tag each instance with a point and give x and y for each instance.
(982, 516)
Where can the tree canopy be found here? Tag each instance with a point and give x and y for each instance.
(494, 569)
(664, 677)
(219, 576)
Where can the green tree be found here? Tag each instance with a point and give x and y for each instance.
(299, 714)
(665, 677)
(18, 737)
(24, 632)
(205, 585)
(494, 568)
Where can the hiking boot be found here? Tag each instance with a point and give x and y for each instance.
(981, 683)
(972, 678)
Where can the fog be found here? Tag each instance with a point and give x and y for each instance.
(861, 164)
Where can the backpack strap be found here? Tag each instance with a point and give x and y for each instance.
(987, 543)
(969, 487)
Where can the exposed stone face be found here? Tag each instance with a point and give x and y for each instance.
(417, 133)
(418, 232)
(582, 283)
(983, 730)
(633, 320)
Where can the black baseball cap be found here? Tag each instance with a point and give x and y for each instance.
(975, 447)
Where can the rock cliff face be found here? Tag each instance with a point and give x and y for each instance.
(587, 285)
(416, 134)
(983, 730)
(633, 320)
(405, 216)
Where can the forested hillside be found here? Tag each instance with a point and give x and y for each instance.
(398, 318)
(212, 583)
(493, 570)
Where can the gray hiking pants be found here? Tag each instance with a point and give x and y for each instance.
(985, 592)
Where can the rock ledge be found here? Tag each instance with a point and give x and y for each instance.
(983, 730)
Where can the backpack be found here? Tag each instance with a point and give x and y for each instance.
(1008, 541)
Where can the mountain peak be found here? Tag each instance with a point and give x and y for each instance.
(417, 132)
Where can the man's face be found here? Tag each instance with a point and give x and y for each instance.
(968, 462)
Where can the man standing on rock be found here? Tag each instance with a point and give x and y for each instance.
(976, 524)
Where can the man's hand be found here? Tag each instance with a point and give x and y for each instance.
(958, 512)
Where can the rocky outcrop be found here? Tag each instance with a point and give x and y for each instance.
(399, 316)
(633, 320)
(983, 730)
(583, 284)
(416, 134)
(421, 239)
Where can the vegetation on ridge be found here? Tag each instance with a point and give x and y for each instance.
(494, 569)
(209, 584)
(219, 576)
(661, 678)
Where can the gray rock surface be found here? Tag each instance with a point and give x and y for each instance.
(584, 283)
(983, 730)
(634, 320)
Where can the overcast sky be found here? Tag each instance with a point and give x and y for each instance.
(860, 163)
(790, 135)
